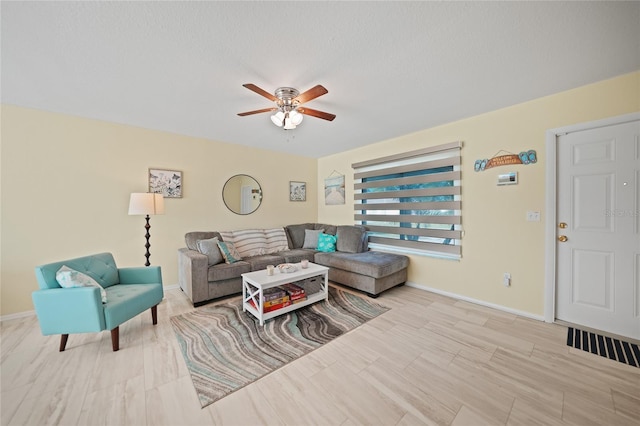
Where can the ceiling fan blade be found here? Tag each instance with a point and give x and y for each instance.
(257, 111)
(260, 91)
(310, 94)
(316, 113)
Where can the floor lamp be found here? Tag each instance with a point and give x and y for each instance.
(147, 204)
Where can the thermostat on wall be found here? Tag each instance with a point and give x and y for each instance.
(508, 179)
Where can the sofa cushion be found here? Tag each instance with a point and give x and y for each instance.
(101, 267)
(276, 240)
(229, 252)
(351, 238)
(370, 263)
(326, 243)
(128, 300)
(70, 278)
(211, 250)
(328, 229)
(311, 238)
(296, 255)
(227, 271)
(296, 234)
(191, 238)
(260, 262)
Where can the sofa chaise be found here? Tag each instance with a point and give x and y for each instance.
(205, 275)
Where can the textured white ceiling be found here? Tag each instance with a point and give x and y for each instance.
(391, 68)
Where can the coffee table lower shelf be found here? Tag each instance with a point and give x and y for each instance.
(267, 316)
(254, 283)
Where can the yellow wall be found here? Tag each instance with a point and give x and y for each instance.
(497, 237)
(66, 183)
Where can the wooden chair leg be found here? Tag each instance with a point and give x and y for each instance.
(63, 341)
(115, 338)
(154, 314)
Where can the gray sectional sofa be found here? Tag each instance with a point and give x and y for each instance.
(204, 277)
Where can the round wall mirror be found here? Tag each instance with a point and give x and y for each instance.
(242, 194)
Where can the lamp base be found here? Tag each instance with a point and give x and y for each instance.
(147, 245)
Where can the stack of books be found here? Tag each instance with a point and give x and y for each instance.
(274, 298)
(279, 297)
(295, 292)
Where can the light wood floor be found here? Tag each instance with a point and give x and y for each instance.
(429, 360)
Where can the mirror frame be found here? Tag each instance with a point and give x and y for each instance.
(258, 194)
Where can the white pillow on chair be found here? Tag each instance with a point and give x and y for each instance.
(69, 278)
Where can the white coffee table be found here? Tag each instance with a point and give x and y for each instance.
(260, 281)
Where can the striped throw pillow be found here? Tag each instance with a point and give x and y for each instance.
(276, 240)
(249, 242)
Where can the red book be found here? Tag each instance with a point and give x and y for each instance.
(273, 307)
(298, 297)
(292, 289)
(274, 302)
(276, 307)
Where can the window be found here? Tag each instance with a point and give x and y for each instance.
(411, 202)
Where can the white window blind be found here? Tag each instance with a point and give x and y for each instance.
(412, 201)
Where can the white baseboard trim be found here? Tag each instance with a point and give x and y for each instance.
(31, 313)
(475, 301)
(17, 315)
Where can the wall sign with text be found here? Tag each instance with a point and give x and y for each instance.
(525, 157)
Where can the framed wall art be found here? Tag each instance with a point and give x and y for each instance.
(166, 182)
(297, 191)
(334, 189)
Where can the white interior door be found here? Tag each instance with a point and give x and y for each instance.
(598, 212)
(245, 200)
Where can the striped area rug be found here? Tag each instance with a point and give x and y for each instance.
(608, 347)
(226, 349)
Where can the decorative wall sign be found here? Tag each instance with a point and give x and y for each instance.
(166, 182)
(506, 159)
(297, 191)
(334, 189)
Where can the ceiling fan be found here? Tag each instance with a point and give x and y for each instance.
(288, 105)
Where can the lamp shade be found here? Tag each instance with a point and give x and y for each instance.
(296, 117)
(288, 123)
(146, 203)
(278, 118)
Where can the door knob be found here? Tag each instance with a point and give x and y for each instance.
(562, 225)
(562, 238)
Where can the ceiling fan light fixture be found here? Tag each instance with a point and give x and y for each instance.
(288, 122)
(296, 117)
(278, 118)
(287, 100)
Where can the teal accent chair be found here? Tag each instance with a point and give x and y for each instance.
(65, 311)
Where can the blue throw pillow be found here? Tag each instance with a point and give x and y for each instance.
(326, 243)
(229, 252)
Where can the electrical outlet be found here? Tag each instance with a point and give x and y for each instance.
(533, 216)
(506, 279)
